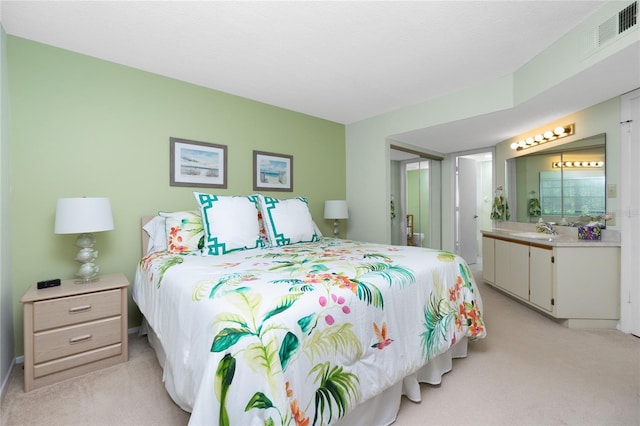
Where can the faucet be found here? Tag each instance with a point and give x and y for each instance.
(545, 227)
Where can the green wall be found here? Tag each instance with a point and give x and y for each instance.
(80, 126)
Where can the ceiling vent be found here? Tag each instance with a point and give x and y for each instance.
(613, 27)
(628, 17)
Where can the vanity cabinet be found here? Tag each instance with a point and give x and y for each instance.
(577, 284)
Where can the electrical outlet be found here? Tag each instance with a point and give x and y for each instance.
(612, 190)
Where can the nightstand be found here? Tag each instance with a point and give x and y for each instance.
(74, 329)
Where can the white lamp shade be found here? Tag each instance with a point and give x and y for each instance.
(83, 215)
(335, 209)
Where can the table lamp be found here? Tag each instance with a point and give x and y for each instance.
(84, 216)
(335, 209)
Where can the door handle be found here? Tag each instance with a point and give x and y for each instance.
(475, 216)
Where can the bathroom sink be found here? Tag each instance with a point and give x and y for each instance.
(536, 235)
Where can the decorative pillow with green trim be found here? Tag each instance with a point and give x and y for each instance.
(230, 223)
(287, 221)
(185, 234)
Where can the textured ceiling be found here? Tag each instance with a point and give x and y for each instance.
(342, 61)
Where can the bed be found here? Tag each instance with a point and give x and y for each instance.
(289, 327)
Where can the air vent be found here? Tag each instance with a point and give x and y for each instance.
(613, 27)
(607, 31)
(628, 17)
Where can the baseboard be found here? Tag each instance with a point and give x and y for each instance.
(6, 378)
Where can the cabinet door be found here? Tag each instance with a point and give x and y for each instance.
(501, 269)
(541, 277)
(588, 282)
(512, 267)
(519, 265)
(488, 260)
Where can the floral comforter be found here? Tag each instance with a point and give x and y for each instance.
(301, 334)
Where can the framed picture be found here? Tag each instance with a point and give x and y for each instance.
(272, 172)
(196, 163)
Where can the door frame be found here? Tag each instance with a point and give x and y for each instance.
(629, 218)
(491, 153)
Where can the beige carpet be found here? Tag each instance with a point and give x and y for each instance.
(528, 371)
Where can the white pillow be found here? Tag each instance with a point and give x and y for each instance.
(287, 221)
(155, 228)
(230, 223)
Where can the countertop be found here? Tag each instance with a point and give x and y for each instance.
(566, 237)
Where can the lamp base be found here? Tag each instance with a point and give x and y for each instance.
(88, 270)
(336, 225)
(82, 281)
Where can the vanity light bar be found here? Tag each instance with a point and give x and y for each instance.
(591, 164)
(540, 138)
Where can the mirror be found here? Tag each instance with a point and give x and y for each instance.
(564, 185)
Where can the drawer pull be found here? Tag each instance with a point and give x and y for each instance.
(80, 338)
(78, 309)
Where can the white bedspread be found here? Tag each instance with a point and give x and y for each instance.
(302, 334)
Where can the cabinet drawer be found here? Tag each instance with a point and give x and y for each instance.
(76, 309)
(76, 360)
(61, 342)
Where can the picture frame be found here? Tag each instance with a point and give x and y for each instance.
(199, 164)
(272, 172)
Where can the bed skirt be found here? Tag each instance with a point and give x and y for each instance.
(379, 410)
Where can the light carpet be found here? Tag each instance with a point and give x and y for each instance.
(528, 371)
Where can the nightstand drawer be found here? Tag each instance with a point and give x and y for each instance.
(61, 342)
(76, 360)
(54, 313)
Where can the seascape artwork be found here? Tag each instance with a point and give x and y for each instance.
(272, 171)
(195, 162)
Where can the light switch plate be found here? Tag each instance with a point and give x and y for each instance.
(612, 190)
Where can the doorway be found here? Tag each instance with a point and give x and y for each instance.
(473, 186)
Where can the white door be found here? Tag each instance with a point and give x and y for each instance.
(467, 210)
(630, 217)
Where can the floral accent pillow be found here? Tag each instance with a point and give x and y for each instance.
(287, 221)
(185, 233)
(230, 223)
